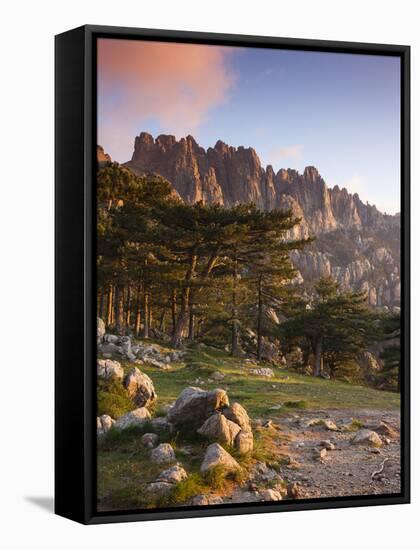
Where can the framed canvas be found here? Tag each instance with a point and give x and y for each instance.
(232, 274)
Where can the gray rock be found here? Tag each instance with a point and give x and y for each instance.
(133, 418)
(218, 428)
(149, 440)
(367, 437)
(244, 442)
(327, 445)
(163, 453)
(104, 423)
(195, 405)
(173, 475)
(140, 388)
(111, 339)
(206, 500)
(161, 423)
(262, 371)
(216, 456)
(236, 413)
(100, 330)
(109, 370)
(270, 495)
(159, 489)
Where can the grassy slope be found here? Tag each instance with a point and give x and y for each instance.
(259, 394)
(124, 466)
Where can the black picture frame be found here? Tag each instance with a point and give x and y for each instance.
(75, 294)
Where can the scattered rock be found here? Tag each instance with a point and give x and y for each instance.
(322, 454)
(104, 423)
(218, 428)
(163, 453)
(100, 329)
(262, 371)
(385, 429)
(159, 489)
(294, 490)
(216, 456)
(270, 495)
(140, 388)
(327, 445)
(244, 442)
(367, 437)
(205, 500)
(236, 413)
(109, 370)
(149, 440)
(133, 418)
(173, 475)
(161, 424)
(195, 405)
(217, 376)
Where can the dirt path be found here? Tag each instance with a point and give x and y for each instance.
(348, 468)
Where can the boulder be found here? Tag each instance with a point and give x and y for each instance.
(270, 495)
(100, 329)
(161, 424)
(140, 388)
(163, 453)
(173, 475)
(109, 349)
(367, 437)
(217, 457)
(293, 490)
(236, 413)
(159, 489)
(109, 370)
(111, 339)
(195, 405)
(133, 418)
(262, 371)
(205, 500)
(218, 428)
(244, 442)
(149, 440)
(104, 423)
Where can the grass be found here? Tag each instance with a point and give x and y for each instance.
(124, 465)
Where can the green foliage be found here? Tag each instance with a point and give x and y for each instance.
(112, 399)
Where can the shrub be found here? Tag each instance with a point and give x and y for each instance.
(113, 399)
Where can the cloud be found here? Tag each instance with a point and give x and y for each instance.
(354, 185)
(175, 85)
(289, 152)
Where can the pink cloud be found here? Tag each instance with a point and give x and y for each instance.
(176, 84)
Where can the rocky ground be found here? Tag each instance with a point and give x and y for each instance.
(348, 468)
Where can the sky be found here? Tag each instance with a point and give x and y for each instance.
(338, 112)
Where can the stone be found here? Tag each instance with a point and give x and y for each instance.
(270, 495)
(161, 424)
(109, 349)
(195, 405)
(244, 442)
(217, 457)
(367, 437)
(100, 329)
(293, 490)
(149, 440)
(104, 423)
(217, 376)
(163, 453)
(218, 428)
(140, 388)
(173, 475)
(109, 370)
(133, 418)
(236, 413)
(327, 445)
(111, 339)
(206, 500)
(266, 372)
(321, 454)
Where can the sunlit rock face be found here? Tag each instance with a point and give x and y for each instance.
(355, 243)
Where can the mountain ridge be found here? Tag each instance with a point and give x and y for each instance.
(356, 243)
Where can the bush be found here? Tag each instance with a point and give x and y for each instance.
(113, 399)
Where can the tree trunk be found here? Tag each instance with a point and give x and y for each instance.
(191, 321)
(162, 320)
(319, 359)
(235, 320)
(185, 296)
(173, 310)
(137, 325)
(146, 315)
(109, 307)
(119, 308)
(101, 303)
(128, 308)
(259, 320)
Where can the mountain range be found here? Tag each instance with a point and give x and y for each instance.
(355, 243)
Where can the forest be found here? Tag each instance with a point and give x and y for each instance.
(185, 274)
